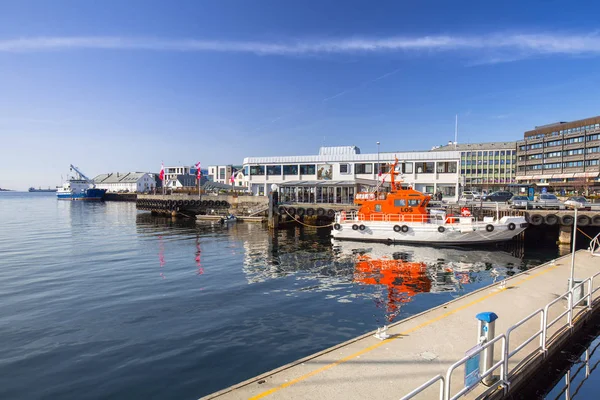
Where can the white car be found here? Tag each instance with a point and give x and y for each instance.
(579, 202)
(470, 195)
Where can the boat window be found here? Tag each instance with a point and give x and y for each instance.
(424, 203)
(377, 207)
(399, 203)
(413, 202)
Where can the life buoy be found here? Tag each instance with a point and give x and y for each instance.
(362, 227)
(372, 196)
(397, 228)
(354, 227)
(511, 226)
(343, 215)
(441, 229)
(404, 228)
(465, 212)
(489, 228)
(337, 227)
(551, 219)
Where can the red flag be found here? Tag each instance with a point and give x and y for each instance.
(198, 170)
(161, 176)
(232, 179)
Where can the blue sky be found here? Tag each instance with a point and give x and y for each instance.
(124, 85)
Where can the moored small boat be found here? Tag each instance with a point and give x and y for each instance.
(401, 215)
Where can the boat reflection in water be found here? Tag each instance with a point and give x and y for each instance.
(404, 271)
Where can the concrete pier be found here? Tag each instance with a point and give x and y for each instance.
(425, 345)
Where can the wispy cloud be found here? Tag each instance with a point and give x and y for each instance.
(521, 44)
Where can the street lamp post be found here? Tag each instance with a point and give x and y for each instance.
(573, 250)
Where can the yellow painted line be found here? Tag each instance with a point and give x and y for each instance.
(377, 345)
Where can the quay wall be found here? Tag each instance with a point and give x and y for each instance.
(428, 344)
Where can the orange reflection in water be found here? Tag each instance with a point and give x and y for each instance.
(402, 279)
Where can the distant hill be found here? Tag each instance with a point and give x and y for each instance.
(5, 190)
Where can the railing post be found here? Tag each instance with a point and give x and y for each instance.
(543, 321)
(590, 288)
(570, 305)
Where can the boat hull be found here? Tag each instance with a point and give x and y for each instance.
(87, 195)
(431, 233)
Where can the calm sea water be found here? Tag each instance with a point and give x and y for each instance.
(102, 301)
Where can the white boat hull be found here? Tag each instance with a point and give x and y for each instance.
(460, 233)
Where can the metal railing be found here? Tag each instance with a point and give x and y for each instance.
(544, 341)
(595, 246)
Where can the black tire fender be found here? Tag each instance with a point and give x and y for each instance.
(397, 228)
(489, 228)
(441, 229)
(566, 220)
(536, 219)
(320, 212)
(551, 219)
(583, 220)
(310, 212)
(404, 228)
(337, 227)
(300, 212)
(511, 226)
(354, 227)
(362, 227)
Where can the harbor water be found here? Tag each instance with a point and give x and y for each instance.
(99, 300)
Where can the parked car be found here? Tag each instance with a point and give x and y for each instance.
(470, 195)
(579, 202)
(548, 201)
(497, 196)
(519, 202)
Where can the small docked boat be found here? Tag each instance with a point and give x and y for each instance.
(401, 215)
(228, 219)
(79, 187)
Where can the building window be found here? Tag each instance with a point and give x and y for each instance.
(308, 169)
(345, 169)
(553, 154)
(591, 138)
(446, 167)
(573, 152)
(221, 173)
(425, 167)
(363, 168)
(593, 150)
(274, 170)
(578, 139)
(591, 162)
(554, 143)
(257, 170)
(290, 170)
(573, 164)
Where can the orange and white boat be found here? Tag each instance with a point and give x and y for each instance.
(401, 215)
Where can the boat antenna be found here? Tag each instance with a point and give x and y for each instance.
(456, 132)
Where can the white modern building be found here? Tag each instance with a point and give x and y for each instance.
(135, 182)
(337, 173)
(220, 173)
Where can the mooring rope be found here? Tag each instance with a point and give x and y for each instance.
(586, 235)
(302, 223)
